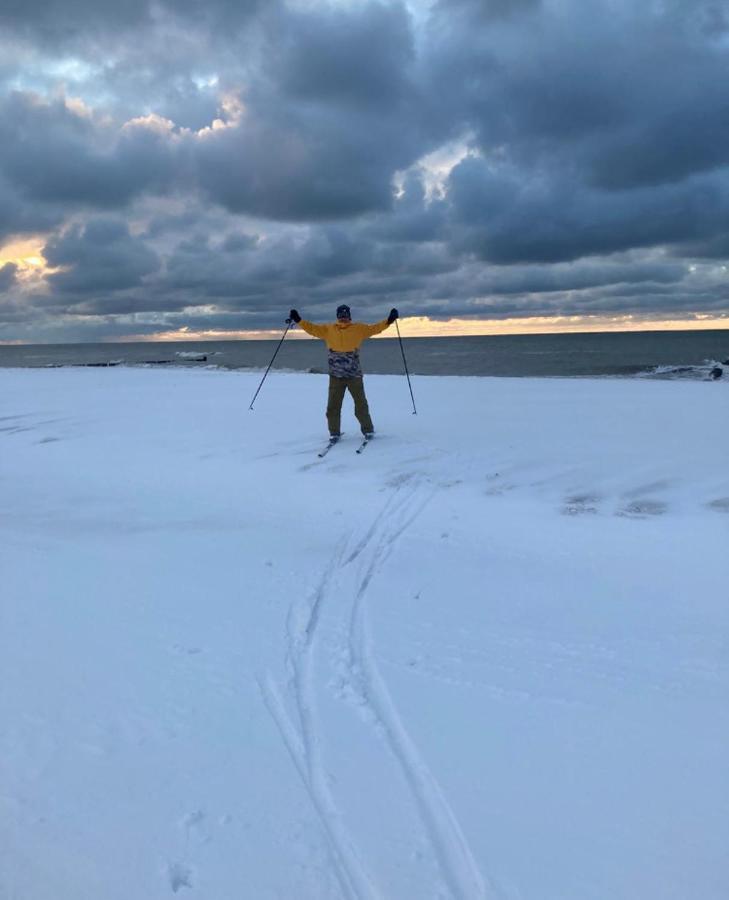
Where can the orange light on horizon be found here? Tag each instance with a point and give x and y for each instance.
(422, 326)
(208, 334)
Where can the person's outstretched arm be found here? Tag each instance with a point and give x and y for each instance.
(369, 330)
(311, 328)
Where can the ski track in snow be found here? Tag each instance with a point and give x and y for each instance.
(354, 879)
(459, 870)
(302, 742)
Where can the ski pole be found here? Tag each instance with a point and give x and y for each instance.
(289, 323)
(405, 363)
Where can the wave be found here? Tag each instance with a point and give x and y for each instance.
(709, 370)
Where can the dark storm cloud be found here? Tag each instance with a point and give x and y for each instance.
(65, 19)
(601, 137)
(334, 115)
(665, 303)
(233, 273)
(321, 263)
(195, 267)
(237, 242)
(238, 274)
(480, 12)
(100, 256)
(8, 274)
(668, 141)
(321, 136)
(503, 216)
(283, 170)
(577, 277)
(177, 77)
(623, 94)
(714, 246)
(414, 219)
(355, 57)
(76, 22)
(599, 159)
(56, 155)
(17, 216)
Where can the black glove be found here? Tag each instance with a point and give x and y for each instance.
(394, 314)
(294, 316)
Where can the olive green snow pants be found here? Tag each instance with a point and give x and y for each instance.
(337, 389)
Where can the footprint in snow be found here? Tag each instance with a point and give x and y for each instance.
(579, 504)
(642, 509)
(194, 827)
(179, 875)
(721, 504)
(186, 651)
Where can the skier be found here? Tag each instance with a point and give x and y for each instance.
(343, 338)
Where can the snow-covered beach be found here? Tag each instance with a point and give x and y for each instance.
(486, 658)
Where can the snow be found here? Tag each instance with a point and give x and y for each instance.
(485, 658)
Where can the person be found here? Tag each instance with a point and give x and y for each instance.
(343, 338)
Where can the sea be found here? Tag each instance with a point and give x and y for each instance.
(647, 354)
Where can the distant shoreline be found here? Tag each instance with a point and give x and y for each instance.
(386, 336)
(667, 354)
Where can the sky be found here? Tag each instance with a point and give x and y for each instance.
(186, 169)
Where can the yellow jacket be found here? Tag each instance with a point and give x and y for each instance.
(343, 337)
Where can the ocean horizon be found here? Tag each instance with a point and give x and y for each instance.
(637, 353)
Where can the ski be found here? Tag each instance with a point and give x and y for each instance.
(363, 444)
(332, 442)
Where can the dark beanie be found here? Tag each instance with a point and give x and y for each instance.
(343, 312)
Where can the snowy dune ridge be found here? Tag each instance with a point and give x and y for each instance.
(487, 658)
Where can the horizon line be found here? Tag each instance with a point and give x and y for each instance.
(423, 328)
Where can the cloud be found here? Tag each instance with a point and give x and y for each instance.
(8, 274)
(624, 95)
(75, 24)
(356, 57)
(17, 216)
(225, 159)
(101, 255)
(333, 115)
(504, 216)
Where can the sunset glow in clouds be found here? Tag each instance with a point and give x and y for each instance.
(26, 254)
(483, 166)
